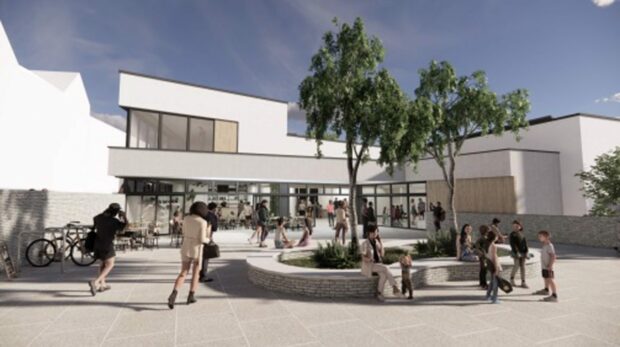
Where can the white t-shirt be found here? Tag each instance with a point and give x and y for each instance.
(279, 233)
(546, 252)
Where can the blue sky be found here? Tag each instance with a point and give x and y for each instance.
(566, 52)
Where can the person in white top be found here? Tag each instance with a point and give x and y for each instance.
(494, 266)
(372, 256)
(341, 222)
(196, 231)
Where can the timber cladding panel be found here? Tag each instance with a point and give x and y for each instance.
(225, 136)
(481, 195)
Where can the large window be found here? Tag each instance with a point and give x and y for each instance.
(201, 135)
(154, 130)
(173, 132)
(144, 129)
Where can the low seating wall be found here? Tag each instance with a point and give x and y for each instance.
(267, 271)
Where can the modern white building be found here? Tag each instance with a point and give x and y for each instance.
(187, 142)
(48, 139)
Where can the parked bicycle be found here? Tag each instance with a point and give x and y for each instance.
(42, 252)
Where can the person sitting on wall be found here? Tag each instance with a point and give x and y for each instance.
(281, 240)
(372, 254)
(465, 251)
(306, 237)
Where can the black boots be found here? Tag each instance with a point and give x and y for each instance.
(190, 298)
(172, 298)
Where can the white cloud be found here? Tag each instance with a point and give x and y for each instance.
(612, 98)
(603, 3)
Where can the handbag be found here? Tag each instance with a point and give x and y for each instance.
(211, 250)
(504, 285)
(89, 242)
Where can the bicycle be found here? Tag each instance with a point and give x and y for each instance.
(42, 252)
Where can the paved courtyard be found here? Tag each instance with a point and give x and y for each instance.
(43, 307)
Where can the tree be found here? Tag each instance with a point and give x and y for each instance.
(457, 108)
(348, 94)
(602, 184)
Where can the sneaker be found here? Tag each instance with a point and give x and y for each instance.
(550, 298)
(496, 301)
(524, 285)
(104, 288)
(380, 297)
(541, 292)
(397, 292)
(262, 245)
(512, 282)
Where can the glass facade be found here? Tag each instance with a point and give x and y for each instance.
(155, 201)
(153, 130)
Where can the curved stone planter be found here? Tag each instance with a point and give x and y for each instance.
(267, 271)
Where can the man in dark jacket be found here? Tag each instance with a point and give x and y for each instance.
(439, 215)
(263, 221)
(364, 218)
(519, 252)
(212, 220)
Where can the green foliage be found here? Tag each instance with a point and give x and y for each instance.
(602, 184)
(439, 244)
(334, 256)
(392, 255)
(454, 108)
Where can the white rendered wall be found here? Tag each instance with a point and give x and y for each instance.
(598, 136)
(537, 187)
(47, 137)
(262, 123)
(126, 162)
(563, 136)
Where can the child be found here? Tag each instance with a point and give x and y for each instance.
(547, 260)
(519, 251)
(307, 233)
(405, 266)
(281, 241)
(494, 267)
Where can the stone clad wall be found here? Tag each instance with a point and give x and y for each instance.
(23, 211)
(583, 231)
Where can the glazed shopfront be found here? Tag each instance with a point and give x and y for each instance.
(156, 200)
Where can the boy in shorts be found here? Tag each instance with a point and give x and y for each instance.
(547, 260)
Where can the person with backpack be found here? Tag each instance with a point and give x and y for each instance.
(439, 215)
(212, 220)
(107, 224)
(197, 232)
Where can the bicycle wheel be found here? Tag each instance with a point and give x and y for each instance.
(40, 253)
(80, 256)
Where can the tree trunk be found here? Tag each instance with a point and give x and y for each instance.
(352, 170)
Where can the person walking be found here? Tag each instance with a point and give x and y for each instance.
(258, 230)
(364, 218)
(341, 222)
(106, 224)
(413, 213)
(421, 208)
(439, 215)
(212, 221)
(371, 215)
(494, 267)
(372, 253)
(519, 252)
(263, 220)
(330, 213)
(196, 233)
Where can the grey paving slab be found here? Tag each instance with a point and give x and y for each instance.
(42, 307)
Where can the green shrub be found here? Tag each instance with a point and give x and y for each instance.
(392, 255)
(438, 244)
(335, 256)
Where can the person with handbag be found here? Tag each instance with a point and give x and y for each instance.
(212, 220)
(196, 232)
(107, 224)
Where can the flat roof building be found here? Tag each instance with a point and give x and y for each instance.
(186, 140)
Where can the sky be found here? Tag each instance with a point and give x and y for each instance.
(565, 52)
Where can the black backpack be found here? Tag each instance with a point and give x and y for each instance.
(89, 242)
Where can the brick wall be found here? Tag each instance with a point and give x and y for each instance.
(584, 231)
(23, 211)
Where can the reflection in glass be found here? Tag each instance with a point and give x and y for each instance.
(368, 190)
(383, 189)
(173, 132)
(143, 129)
(398, 211)
(200, 135)
(399, 189)
(383, 210)
(417, 188)
(148, 209)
